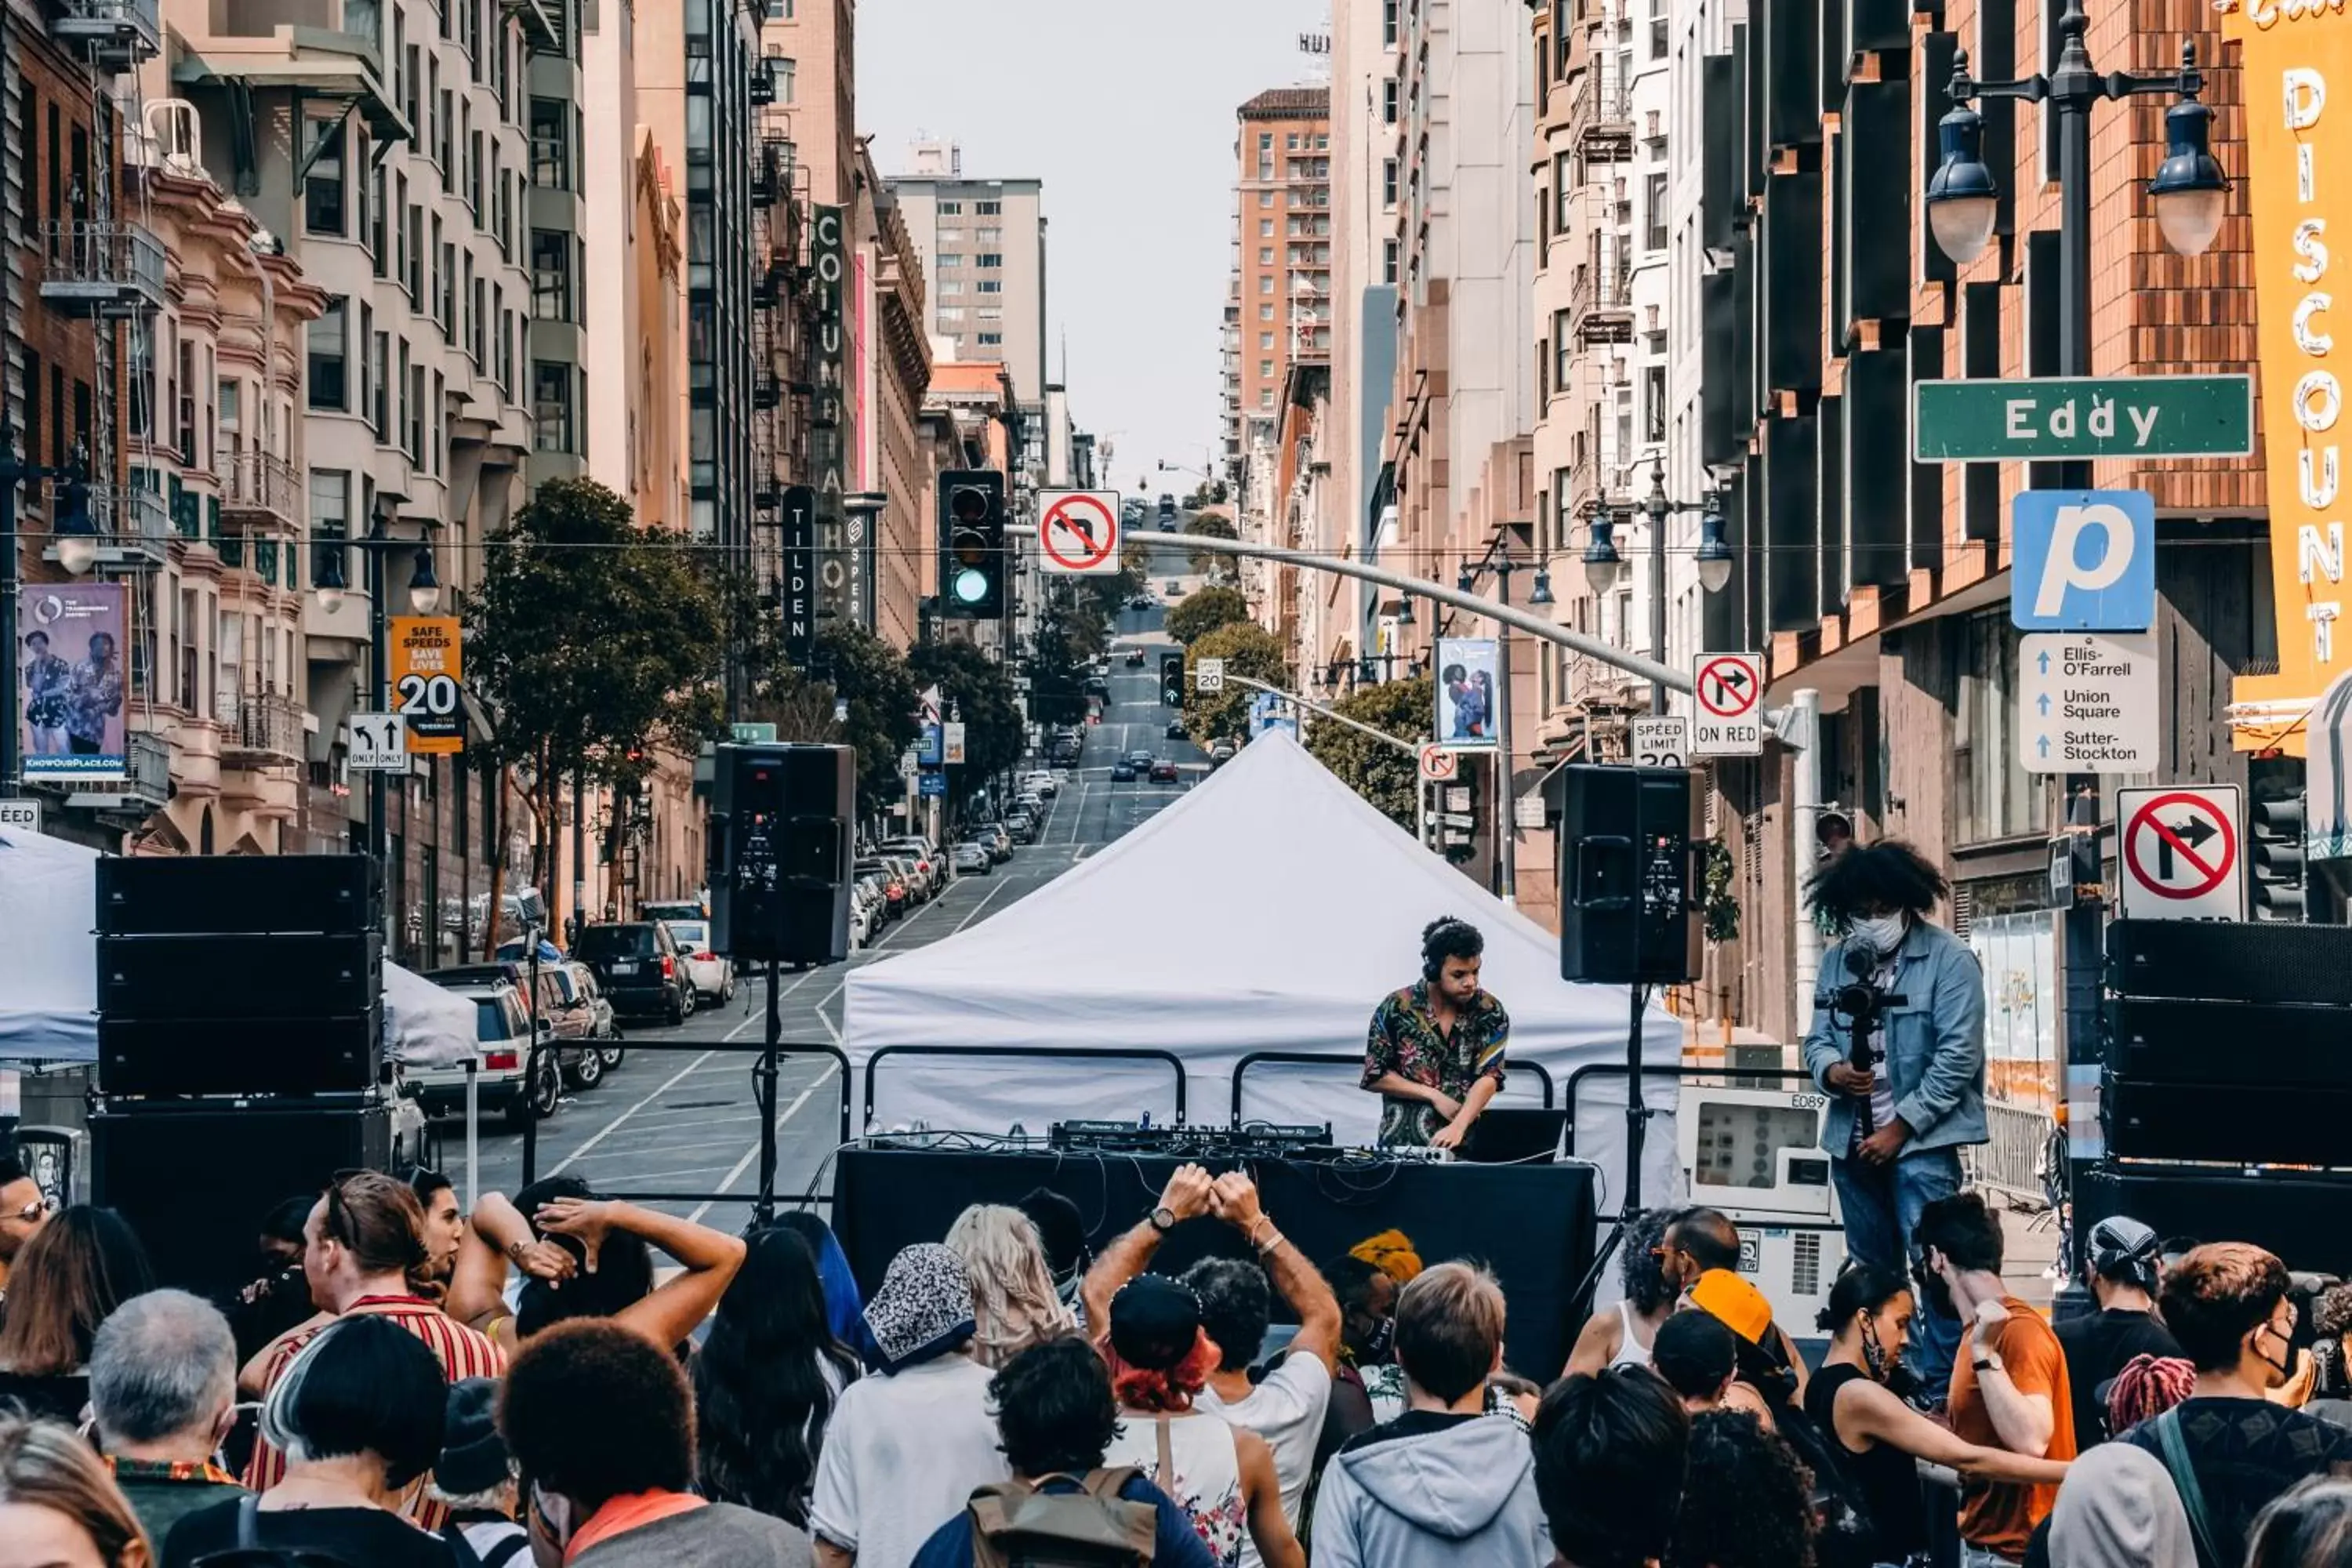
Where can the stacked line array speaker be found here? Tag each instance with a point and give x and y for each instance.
(240, 1025)
(1628, 877)
(780, 853)
(2228, 1043)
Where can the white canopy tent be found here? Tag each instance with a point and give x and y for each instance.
(49, 968)
(1268, 909)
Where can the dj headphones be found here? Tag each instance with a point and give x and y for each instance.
(1430, 961)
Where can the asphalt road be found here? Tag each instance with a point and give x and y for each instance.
(679, 1116)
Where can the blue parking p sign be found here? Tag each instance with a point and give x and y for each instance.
(2084, 560)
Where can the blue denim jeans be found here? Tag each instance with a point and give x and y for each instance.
(1882, 1205)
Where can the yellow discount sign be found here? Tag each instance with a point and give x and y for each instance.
(429, 672)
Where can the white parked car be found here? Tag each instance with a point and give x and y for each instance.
(861, 915)
(1043, 782)
(502, 1028)
(709, 975)
(974, 856)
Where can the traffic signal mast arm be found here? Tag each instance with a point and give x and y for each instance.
(1320, 711)
(1470, 604)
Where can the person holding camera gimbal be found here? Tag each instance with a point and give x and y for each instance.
(1897, 1043)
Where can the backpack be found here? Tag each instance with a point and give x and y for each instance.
(1016, 1524)
(249, 1553)
(1847, 1536)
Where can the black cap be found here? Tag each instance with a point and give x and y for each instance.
(473, 1456)
(1154, 1322)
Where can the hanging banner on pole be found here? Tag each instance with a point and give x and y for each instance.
(71, 664)
(428, 671)
(1466, 683)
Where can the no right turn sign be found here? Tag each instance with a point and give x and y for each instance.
(1728, 718)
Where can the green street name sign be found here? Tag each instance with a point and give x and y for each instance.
(755, 734)
(2048, 418)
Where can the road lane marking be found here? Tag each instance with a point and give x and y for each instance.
(975, 914)
(610, 1127)
(753, 1154)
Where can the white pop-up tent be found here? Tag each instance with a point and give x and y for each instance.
(1269, 909)
(49, 968)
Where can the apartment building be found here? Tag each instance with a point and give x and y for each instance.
(983, 245)
(1881, 582)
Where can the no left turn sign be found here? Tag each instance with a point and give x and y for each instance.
(2181, 855)
(1730, 690)
(1078, 531)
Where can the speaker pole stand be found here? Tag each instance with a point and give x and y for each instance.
(763, 1211)
(1637, 1127)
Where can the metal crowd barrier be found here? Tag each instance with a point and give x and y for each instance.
(1355, 1059)
(2010, 1164)
(1079, 1053)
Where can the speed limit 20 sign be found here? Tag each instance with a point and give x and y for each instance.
(428, 671)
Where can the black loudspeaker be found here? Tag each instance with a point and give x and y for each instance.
(167, 978)
(1629, 877)
(2253, 1123)
(2231, 961)
(195, 1182)
(240, 1056)
(196, 895)
(2296, 1215)
(2165, 1040)
(781, 851)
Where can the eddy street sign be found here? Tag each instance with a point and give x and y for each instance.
(2088, 704)
(2048, 418)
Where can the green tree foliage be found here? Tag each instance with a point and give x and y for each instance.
(1385, 775)
(1195, 615)
(592, 639)
(979, 691)
(1247, 649)
(847, 665)
(1212, 525)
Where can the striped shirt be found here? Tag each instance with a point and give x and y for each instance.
(462, 1352)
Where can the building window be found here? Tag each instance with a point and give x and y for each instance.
(1389, 249)
(1389, 101)
(949, 313)
(989, 258)
(1653, 406)
(1564, 520)
(950, 236)
(551, 402)
(1388, 181)
(1997, 796)
(322, 188)
(331, 518)
(550, 144)
(949, 261)
(328, 352)
(988, 208)
(991, 340)
(1266, 397)
(1265, 283)
(951, 285)
(1266, 256)
(1653, 198)
(1266, 228)
(991, 313)
(1563, 179)
(1389, 23)
(788, 90)
(1562, 343)
(991, 286)
(950, 209)
(1265, 339)
(989, 236)
(1265, 198)
(378, 371)
(550, 275)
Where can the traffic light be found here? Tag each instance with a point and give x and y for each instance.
(2275, 830)
(1171, 680)
(972, 543)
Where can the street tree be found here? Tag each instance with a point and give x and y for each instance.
(851, 665)
(979, 691)
(1388, 776)
(1248, 650)
(1197, 615)
(1211, 525)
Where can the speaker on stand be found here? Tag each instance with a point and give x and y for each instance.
(240, 1026)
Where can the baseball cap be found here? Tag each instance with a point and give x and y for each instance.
(1154, 1321)
(1722, 1294)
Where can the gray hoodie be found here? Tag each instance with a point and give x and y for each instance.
(1463, 1494)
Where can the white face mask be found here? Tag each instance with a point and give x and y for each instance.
(1880, 933)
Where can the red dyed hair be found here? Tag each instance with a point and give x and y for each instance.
(2146, 1388)
(1166, 1391)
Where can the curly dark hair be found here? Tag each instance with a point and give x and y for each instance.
(1747, 1502)
(1887, 875)
(1235, 1305)
(593, 1412)
(1608, 1466)
(762, 1391)
(1054, 1412)
(1639, 1268)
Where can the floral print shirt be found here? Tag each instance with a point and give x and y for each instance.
(1405, 1040)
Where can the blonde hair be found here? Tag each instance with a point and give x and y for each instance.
(1013, 1303)
(47, 1466)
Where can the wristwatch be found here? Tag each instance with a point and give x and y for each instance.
(1163, 1219)
(1988, 1361)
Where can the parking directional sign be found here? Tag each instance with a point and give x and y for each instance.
(2084, 560)
(1729, 721)
(2088, 704)
(2182, 854)
(1662, 741)
(1078, 531)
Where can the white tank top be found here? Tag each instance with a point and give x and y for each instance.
(1631, 1351)
(1207, 1484)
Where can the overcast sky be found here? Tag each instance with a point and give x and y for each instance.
(1125, 109)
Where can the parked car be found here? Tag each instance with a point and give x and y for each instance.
(1167, 513)
(1163, 771)
(1122, 771)
(1043, 782)
(1142, 602)
(919, 886)
(877, 902)
(637, 962)
(1175, 589)
(712, 975)
(1221, 752)
(971, 854)
(606, 1025)
(1022, 825)
(999, 841)
(673, 910)
(1134, 659)
(928, 863)
(502, 1032)
(861, 915)
(558, 1003)
(895, 900)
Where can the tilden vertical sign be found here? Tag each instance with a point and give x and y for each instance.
(799, 573)
(2293, 54)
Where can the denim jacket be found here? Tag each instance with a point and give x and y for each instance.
(1932, 1046)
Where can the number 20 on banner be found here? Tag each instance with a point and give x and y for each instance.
(428, 671)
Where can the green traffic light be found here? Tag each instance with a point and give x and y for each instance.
(970, 586)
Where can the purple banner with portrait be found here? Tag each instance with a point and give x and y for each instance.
(74, 669)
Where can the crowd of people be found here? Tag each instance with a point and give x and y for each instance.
(564, 1379)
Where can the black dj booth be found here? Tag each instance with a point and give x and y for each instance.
(1531, 1223)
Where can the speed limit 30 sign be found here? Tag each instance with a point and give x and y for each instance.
(429, 672)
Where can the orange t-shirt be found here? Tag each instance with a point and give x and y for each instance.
(1999, 1516)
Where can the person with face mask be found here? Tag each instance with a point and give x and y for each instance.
(2229, 1449)
(1436, 1048)
(1896, 1123)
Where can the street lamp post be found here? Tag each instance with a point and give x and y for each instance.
(2189, 193)
(423, 599)
(74, 551)
(1603, 565)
